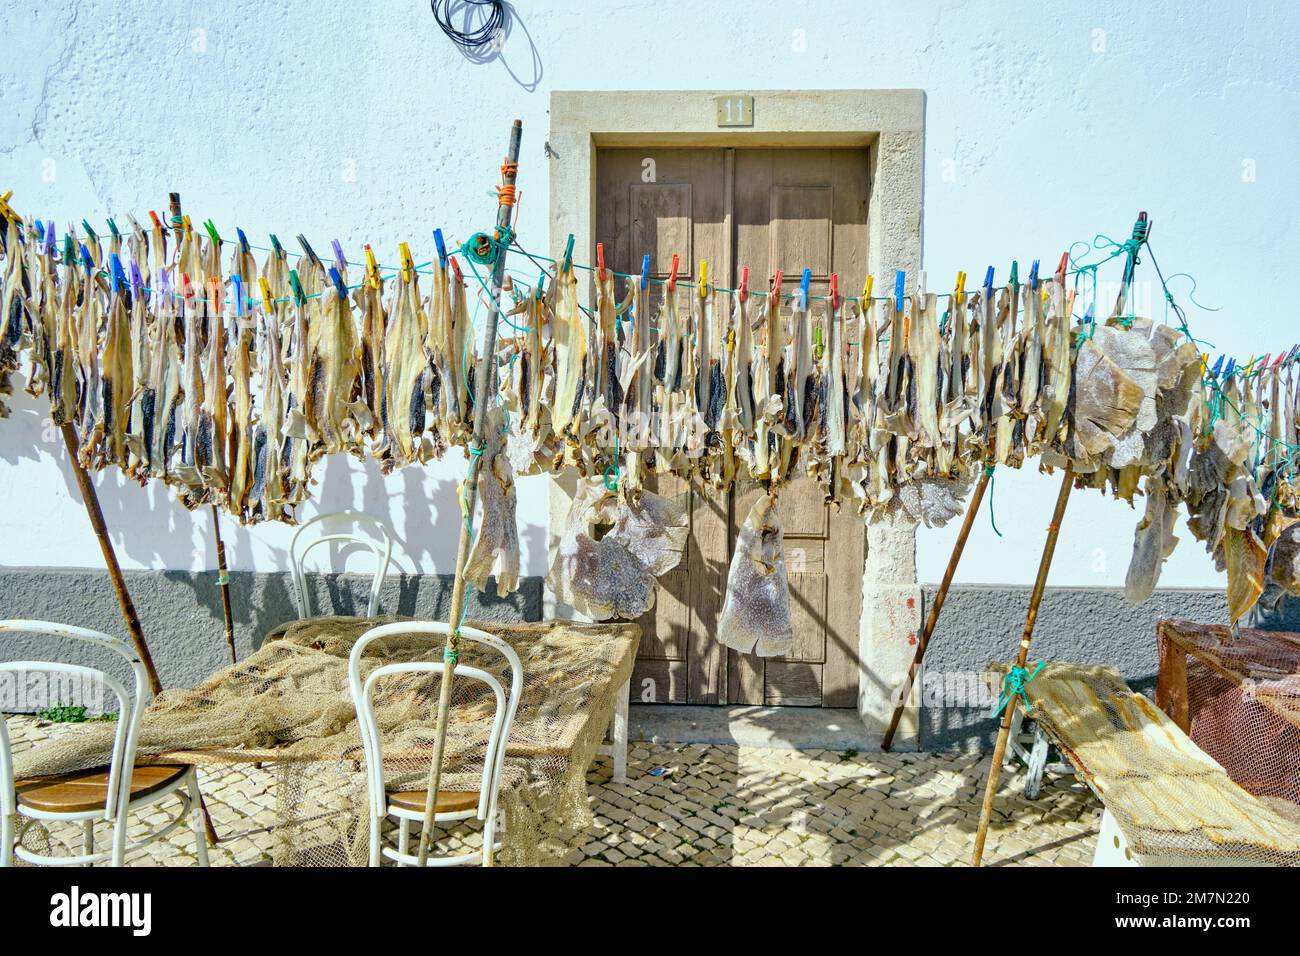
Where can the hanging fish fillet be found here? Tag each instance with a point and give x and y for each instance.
(755, 614)
(569, 340)
(496, 541)
(404, 369)
(334, 357)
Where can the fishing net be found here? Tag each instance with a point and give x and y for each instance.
(289, 704)
(1239, 699)
(1174, 804)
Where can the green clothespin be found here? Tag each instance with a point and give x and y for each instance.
(567, 262)
(112, 227)
(1015, 277)
(296, 284)
(211, 227)
(69, 250)
(276, 248)
(90, 232)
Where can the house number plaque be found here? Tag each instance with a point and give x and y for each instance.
(735, 110)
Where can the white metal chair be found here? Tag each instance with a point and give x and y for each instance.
(103, 793)
(300, 546)
(452, 806)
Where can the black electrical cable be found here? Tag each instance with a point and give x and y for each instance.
(478, 32)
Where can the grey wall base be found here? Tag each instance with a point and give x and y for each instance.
(182, 618)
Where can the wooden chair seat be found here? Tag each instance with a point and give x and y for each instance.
(449, 801)
(84, 790)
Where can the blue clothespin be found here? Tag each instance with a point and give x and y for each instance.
(49, 238)
(243, 239)
(137, 281)
(988, 284)
(442, 248)
(805, 282)
(567, 261)
(1218, 367)
(338, 283)
(338, 255)
(645, 272)
(87, 263)
(1227, 372)
(116, 272)
(1088, 314)
(1033, 276)
(900, 285)
(40, 230)
(162, 287)
(237, 284)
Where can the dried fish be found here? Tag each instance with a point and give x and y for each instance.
(755, 614)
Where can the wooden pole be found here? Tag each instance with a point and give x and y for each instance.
(223, 580)
(1035, 599)
(932, 618)
(90, 498)
(484, 385)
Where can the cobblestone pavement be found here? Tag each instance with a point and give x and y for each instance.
(700, 805)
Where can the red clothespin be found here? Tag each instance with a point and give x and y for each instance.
(455, 268)
(187, 287)
(1278, 361)
(672, 275)
(835, 291)
(600, 261)
(776, 285)
(214, 296)
(157, 223)
(744, 283)
(1061, 267)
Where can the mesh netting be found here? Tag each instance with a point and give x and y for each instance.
(1242, 703)
(289, 704)
(1174, 804)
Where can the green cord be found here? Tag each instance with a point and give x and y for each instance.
(988, 470)
(1014, 683)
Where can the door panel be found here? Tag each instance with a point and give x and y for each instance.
(766, 209)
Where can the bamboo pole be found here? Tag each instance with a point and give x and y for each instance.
(932, 618)
(1035, 599)
(484, 378)
(223, 580)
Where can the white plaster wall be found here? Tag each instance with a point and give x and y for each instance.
(1045, 123)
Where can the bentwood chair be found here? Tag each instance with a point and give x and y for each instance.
(407, 806)
(108, 794)
(379, 541)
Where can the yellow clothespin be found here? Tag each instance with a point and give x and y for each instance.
(266, 295)
(187, 225)
(866, 291)
(372, 267)
(408, 264)
(704, 278)
(960, 292)
(1205, 363)
(6, 210)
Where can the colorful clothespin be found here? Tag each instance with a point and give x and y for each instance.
(1062, 266)
(600, 261)
(162, 288)
(441, 245)
(645, 272)
(988, 284)
(87, 263)
(776, 286)
(1264, 364)
(137, 282)
(116, 273)
(339, 285)
(49, 238)
(959, 292)
(805, 282)
(372, 267)
(1033, 277)
(296, 284)
(157, 223)
(69, 251)
(90, 232)
(211, 227)
(309, 252)
(866, 291)
(243, 240)
(900, 285)
(744, 283)
(276, 248)
(187, 288)
(672, 273)
(1228, 369)
(237, 285)
(408, 264)
(703, 287)
(1015, 277)
(215, 296)
(338, 256)
(835, 292)
(566, 263)
(541, 284)
(455, 270)
(266, 295)
(112, 228)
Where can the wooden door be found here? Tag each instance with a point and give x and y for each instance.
(766, 209)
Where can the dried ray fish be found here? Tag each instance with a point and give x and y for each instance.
(755, 614)
(569, 342)
(404, 368)
(1245, 557)
(1153, 542)
(496, 542)
(334, 374)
